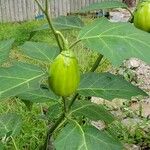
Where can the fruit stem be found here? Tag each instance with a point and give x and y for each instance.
(64, 41)
(45, 11)
(64, 105)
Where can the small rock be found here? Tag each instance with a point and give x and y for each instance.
(131, 122)
(144, 105)
(115, 103)
(98, 124)
(119, 114)
(133, 63)
(132, 147)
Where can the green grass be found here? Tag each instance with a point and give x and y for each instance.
(33, 126)
(19, 31)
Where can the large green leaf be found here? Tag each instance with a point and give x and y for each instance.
(96, 140)
(40, 51)
(75, 137)
(91, 111)
(19, 78)
(70, 138)
(104, 5)
(116, 41)
(64, 23)
(38, 96)
(10, 125)
(5, 47)
(107, 86)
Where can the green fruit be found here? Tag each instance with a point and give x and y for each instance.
(142, 16)
(64, 74)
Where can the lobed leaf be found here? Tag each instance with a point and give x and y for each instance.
(19, 78)
(91, 111)
(107, 86)
(70, 138)
(75, 137)
(38, 96)
(40, 51)
(96, 140)
(116, 41)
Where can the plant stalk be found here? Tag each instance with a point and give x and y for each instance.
(73, 100)
(54, 31)
(49, 21)
(97, 62)
(64, 41)
(64, 103)
(56, 125)
(46, 6)
(73, 44)
(51, 131)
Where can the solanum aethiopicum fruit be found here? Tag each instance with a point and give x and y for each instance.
(64, 74)
(142, 16)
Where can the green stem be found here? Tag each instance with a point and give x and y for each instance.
(73, 100)
(73, 44)
(49, 21)
(65, 42)
(51, 131)
(97, 62)
(54, 31)
(16, 148)
(65, 119)
(46, 6)
(56, 125)
(40, 6)
(64, 103)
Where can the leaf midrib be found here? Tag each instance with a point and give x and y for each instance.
(27, 81)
